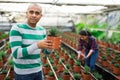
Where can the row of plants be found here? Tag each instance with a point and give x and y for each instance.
(66, 63)
(6, 63)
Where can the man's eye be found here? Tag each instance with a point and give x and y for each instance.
(31, 12)
(37, 13)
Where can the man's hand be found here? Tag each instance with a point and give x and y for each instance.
(45, 44)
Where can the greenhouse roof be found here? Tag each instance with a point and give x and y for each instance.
(59, 12)
(63, 6)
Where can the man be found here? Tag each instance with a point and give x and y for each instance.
(27, 40)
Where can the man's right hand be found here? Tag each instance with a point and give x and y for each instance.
(45, 44)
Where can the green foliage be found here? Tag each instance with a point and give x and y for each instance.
(11, 63)
(72, 56)
(78, 62)
(2, 53)
(53, 31)
(115, 38)
(79, 27)
(97, 75)
(67, 66)
(46, 65)
(0, 58)
(117, 65)
(51, 60)
(2, 36)
(4, 71)
(86, 69)
(77, 76)
(66, 72)
(104, 58)
(51, 74)
(57, 57)
(62, 60)
(98, 34)
(60, 78)
(55, 68)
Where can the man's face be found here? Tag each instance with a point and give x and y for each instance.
(34, 13)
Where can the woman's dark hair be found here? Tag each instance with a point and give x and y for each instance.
(84, 33)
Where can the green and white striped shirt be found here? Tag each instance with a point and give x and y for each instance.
(26, 54)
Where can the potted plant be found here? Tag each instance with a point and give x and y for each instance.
(116, 68)
(3, 74)
(104, 61)
(50, 76)
(46, 68)
(3, 56)
(85, 73)
(71, 59)
(44, 59)
(66, 75)
(60, 66)
(77, 66)
(53, 36)
(56, 70)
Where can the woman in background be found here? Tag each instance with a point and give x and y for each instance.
(87, 41)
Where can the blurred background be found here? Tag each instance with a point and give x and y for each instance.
(102, 16)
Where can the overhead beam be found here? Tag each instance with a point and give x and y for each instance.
(111, 9)
(59, 4)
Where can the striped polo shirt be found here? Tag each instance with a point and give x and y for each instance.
(26, 54)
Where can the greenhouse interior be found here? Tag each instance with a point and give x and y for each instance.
(27, 51)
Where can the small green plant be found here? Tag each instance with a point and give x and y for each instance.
(55, 68)
(4, 71)
(0, 57)
(86, 69)
(77, 76)
(10, 61)
(63, 60)
(66, 72)
(2, 53)
(46, 65)
(51, 60)
(51, 74)
(60, 78)
(97, 75)
(117, 65)
(57, 57)
(53, 31)
(67, 66)
(104, 58)
(78, 62)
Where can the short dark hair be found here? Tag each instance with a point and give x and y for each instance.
(84, 33)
